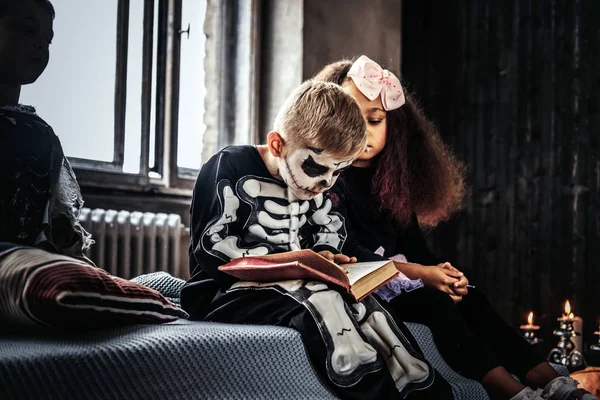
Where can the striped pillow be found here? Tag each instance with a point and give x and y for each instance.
(38, 288)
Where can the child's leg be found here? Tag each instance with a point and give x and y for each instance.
(540, 375)
(465, 352)
(500, 384)
(274, 308)
(454, 340)
(514, 352)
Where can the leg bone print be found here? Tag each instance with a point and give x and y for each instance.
(350, 355)
(350, 351)
(403, 367)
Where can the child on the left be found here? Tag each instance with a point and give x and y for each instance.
(40, 198)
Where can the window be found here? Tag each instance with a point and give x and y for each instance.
(124, 90)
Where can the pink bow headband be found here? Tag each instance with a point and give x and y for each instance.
(372, 81)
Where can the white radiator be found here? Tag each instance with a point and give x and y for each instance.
(129, 244)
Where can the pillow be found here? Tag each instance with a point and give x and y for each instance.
(43, 289)
(164, 283)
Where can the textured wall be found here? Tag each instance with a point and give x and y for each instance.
(515, 87)
(281, 56)
(336, 29)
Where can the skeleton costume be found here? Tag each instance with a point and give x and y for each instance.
(40, 200)
(239, 209)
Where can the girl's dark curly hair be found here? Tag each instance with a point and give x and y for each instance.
(416, 172)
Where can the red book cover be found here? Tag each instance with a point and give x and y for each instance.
(301, 264)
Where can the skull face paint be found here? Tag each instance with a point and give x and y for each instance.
(310, 171)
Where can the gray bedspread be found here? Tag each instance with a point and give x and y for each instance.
(180, 360)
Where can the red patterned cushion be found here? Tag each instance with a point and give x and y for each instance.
(42, 288)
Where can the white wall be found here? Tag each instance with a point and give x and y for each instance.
(336, 29)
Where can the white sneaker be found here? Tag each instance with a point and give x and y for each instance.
(565, 388)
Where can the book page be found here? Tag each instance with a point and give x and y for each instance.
(359, 270)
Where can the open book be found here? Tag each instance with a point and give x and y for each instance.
(357, 280)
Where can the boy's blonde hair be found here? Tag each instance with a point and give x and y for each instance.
(322, 114)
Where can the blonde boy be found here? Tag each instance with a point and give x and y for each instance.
(270, 198)
(254, 200)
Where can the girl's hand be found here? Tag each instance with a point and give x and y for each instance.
(337, 258)
(460, 287)
(442, 279)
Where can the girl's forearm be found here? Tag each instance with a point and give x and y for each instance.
(412, 271)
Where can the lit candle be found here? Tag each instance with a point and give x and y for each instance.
(575, 324)
(567, 314)
(529, 330)
(530, 326)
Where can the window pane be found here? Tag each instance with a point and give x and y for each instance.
(153, 96)
(76, 93)
(191, 86)
(133, 113)
(133, 105)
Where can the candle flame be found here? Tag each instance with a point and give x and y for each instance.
(567, 308)
(530, 318)
(571, 315)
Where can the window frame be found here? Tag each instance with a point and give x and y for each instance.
(120, 98)
(232, 28)
(233, 49)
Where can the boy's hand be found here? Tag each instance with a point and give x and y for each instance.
(442, 279)
(337, 258)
